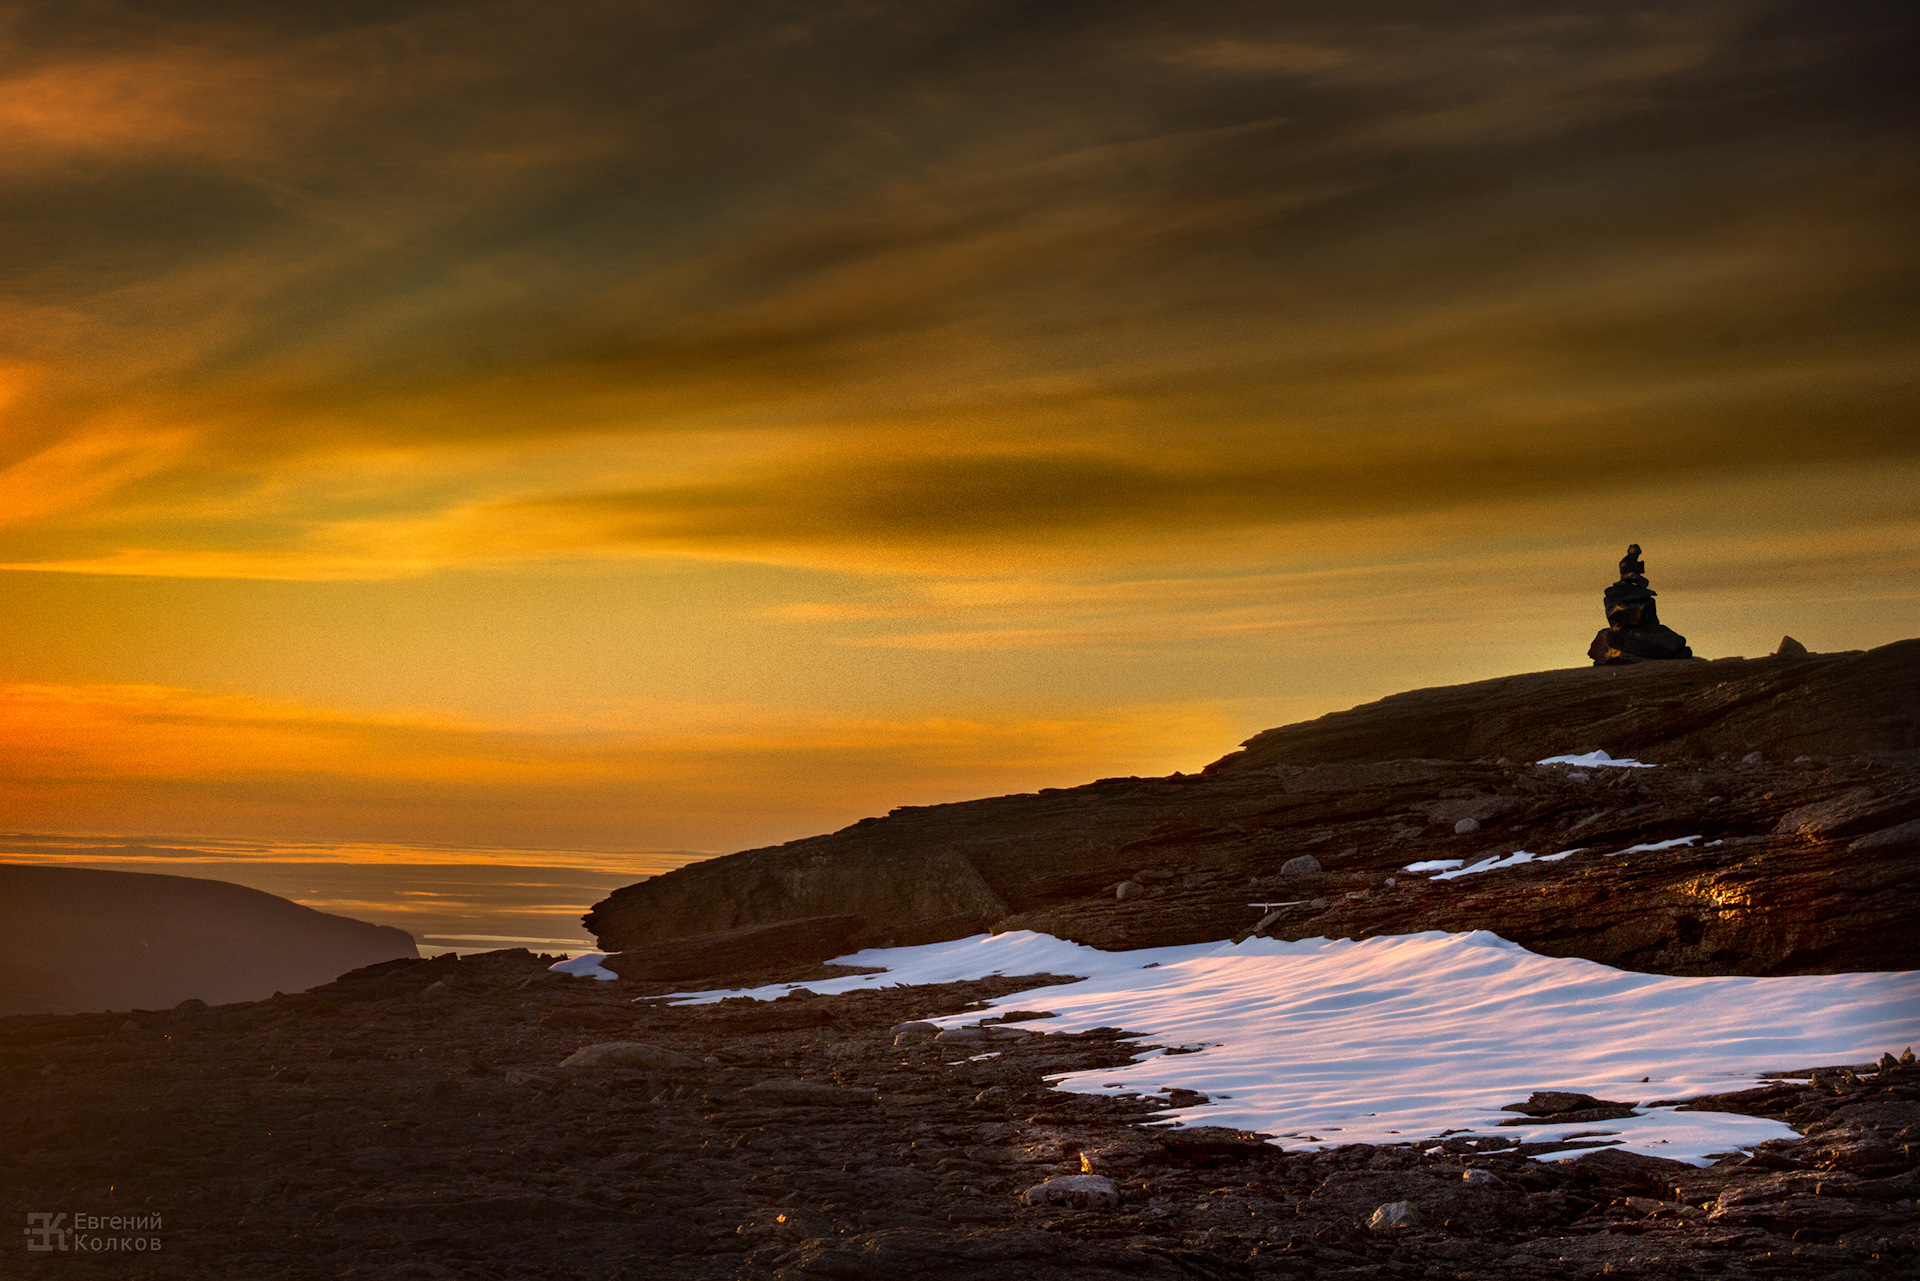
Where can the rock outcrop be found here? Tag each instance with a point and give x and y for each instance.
(83, 939)
(809, 938)
(1741, 744)
(1634, 633)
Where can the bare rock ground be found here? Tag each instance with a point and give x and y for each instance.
(420, 1119)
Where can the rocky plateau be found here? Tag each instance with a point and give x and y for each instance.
(1799, 775)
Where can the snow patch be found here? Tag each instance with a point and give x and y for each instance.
(1488, 864)
(1433, 865)
(1496, 861)
(978, 957)
(1656, 845)
(586, 965)
(1596, 759)
(1397, 1038)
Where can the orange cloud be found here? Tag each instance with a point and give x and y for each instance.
(120, 758)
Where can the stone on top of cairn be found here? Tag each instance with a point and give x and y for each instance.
(1634, 633)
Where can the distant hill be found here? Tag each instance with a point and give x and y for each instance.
(75, 939)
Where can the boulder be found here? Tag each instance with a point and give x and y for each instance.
(914, 1033)
(191, 1008)
(1076, 1191)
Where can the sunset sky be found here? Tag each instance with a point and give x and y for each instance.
(654, 426)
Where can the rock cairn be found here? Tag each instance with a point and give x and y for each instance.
(1634, 633)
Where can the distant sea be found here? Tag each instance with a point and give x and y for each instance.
(451, 898)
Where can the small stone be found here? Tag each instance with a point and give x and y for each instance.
(1466, 825)
(992, 1094)
(1320, 904)
(1481, 1179)
(191, 1008)
(435, 990)
(1555, 1102)
(1790, 646)
(914, 1033)
(1128, 889)
(1079, 1191)
(1754, 758)
(1300, 868)
(627, 1054)
(1393, 1216)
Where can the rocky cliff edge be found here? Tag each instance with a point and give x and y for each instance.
(1796, 776)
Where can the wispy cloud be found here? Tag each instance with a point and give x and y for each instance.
(1235, 263)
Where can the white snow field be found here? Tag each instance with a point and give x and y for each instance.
(1405, 1037)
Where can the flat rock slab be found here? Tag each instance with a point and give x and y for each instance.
(1194, 1141)
(628, 1054)
(809, 1094)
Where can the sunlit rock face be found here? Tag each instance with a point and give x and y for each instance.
(1682, 868)
(80, 939)
(1634, 633)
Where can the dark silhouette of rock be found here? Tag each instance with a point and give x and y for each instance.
(1366, 791)
(81, 939)
(1788, 645)
(1634, 633)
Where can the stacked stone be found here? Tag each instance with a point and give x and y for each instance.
(1633, 633)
